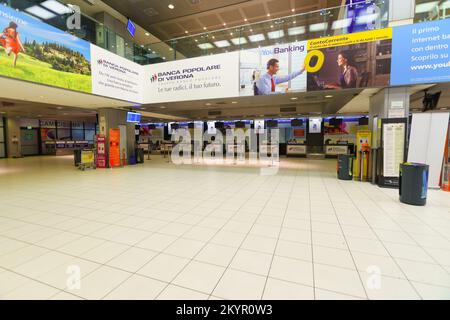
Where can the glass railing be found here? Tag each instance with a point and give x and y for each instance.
(429, 10)
(359, 16)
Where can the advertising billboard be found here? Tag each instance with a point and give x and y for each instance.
(208, 77)
(421, 53)
(33, 51)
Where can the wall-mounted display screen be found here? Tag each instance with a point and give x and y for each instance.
(297, 122)
(133, 117)
(131, 28)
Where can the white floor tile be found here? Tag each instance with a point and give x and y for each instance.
(283, 290)
(132, 259)
(291, 270)
(216, 254)
(137, 288)
(339, 280)
(199, 276)
(251, 261)
(101, 282)
(163, 267)
(173, 292)
(238, 285)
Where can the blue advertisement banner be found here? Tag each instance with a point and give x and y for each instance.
(420, 53)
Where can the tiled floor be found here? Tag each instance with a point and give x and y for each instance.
(160, 231)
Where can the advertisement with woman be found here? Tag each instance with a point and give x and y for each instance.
(351, 61)
(35, 51)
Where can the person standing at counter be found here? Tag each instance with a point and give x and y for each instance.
(267, 83)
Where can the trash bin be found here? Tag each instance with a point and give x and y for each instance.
(139, 155)
(77, 157)
(345, 167)
(413, 183)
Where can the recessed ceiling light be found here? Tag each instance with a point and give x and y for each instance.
(234, 102)
(163, 107)
(204, 28)
(56, 7)
(294, 98)
(147, 34)
(186, 31)
(222, 44)
(207, 104)
(329, 96)
(239, 41)
(171, 6)
(275, 34)
(257, 37)
(268, 14)
(245, 20)
(296, 30)
(40, 12)
(205, 46)
(292, 10)
(318, 26)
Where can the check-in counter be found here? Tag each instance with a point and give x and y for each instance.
(269, 149)
(333, 150)
(296, 150)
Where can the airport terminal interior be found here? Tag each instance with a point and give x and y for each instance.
(224, 150)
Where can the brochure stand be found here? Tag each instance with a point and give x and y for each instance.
(393, 151)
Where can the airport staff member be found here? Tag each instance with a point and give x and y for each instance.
(266, 84)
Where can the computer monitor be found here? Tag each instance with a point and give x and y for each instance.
(239, 124)
(296, 123)
(272, 123)
(363, 121)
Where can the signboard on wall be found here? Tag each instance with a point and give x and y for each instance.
(116, 77)
(208, 77)
(421, 53)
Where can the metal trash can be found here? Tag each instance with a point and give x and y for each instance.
(139, 155)
(414, 183)
(345, 167)
(77, 157)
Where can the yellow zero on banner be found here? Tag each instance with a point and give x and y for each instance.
(319, 64)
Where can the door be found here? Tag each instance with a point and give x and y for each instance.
(30, 142)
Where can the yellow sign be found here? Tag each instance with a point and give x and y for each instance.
(349, 39)
(320, 60)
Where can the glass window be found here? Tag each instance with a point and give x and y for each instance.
(89, 134)
(78, 134)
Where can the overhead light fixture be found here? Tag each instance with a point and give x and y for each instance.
(204, 28)
(207, 104)
(245, 20)
(275, 34)
(367, 18)
(56, 7)
(171, 6)
(292, 10)
(329, 96)
(234, 102)
(186, 31)
(222, 44)
(268, 14)
(426, 7)
(257, 37)
(162, 107)
(294, 98)
(224, 24)
(296, 31)
(239, 41)
(147, 34)
(205, 46)
(40, 12)
(341, 24)
(318, 26)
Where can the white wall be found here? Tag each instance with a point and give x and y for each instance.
(427, 142)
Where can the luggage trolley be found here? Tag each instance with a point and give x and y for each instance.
(87, 159)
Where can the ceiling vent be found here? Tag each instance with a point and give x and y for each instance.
(214, 113)
(151, 12)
